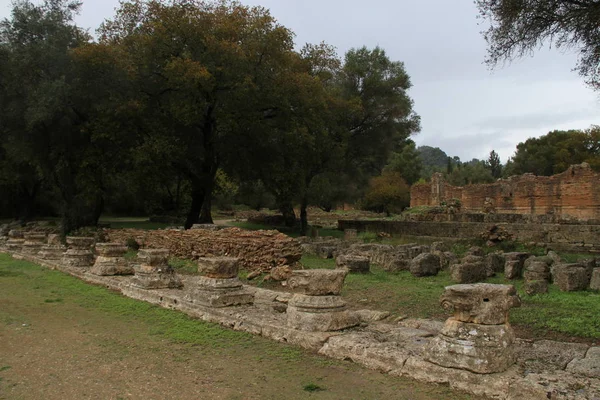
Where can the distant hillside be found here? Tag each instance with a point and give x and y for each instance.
(433, 156)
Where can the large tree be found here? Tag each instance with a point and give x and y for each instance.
(553, 153)
(520, 27)
(203, 71)
(49, 108)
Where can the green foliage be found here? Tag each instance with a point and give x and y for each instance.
(407, 163)
(387, 193)
(132, 244)
(312, 387)
(494, 164)
(555, 152)
(518, 28)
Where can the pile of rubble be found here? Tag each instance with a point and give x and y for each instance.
(256, 250)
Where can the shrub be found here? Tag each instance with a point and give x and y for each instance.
(387, 193)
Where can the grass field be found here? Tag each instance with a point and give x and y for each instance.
(549, 315)
(64, 339)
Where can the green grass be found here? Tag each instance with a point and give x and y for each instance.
(570, 313)
(166, 324)
(183, 266)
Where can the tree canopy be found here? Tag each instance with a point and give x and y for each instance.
(518, 28)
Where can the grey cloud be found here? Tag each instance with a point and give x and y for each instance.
(536, 120)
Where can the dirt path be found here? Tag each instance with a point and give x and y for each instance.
(63, 339)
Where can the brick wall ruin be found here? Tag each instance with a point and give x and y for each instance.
(574, 193)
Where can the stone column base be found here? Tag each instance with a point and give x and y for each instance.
(107, 266)
(78, 258)
(215, 292)
(483, 349)
(319, 314)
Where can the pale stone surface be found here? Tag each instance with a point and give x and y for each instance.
(319, 314)
(513, 267)
(588, 366)
(350, 234)
(33, 243)
(494, 263)
(79, 242)
(571, 277)
(14, 245)
(318, 282)
(281, 273)
(77, 258)
(155, 272)
(547, 355)
(483, 349)
(111, 261)
(425, 264)
(154, 257)
(216, 292)
(595, 281)
(469, 272)
(482, 303)
(218, 267)
(354, 264)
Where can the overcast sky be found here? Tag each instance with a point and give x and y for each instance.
(465, 109)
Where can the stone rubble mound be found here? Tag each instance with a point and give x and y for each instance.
(262, 250)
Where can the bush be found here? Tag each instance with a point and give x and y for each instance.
(387, 193)
(132, 244)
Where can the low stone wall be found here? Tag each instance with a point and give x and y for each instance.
(543, 370)
(255, 249)
(562, 237)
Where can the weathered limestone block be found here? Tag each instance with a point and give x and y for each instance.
(595, 281)
(281, 273)
(14, 245)
(15, 241)
(319, 314)
(416, 251)
(476, 251)
(482, 303)
(513, 267)
(483, 349)
(154, 271)
(33, 243)
(326, 251)
(477, 337)
(218, 267)
(53, 250)
(537, 275)
(425, 264)
(79, 253)
(3, 240)
(350, 234)
(494, 263)
(354, 264)
(571, 277)
(469, 272)
(588, 366)
(438, 246)
(111, 260)
(219, 286)
(218, 292)
(589, 265)
(318, 282)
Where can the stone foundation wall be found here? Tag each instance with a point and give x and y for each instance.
(574, 193)
(563, 237)
(543, 370)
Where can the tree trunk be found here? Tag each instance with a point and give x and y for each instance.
(205, 212)
(289, 216)
(303, 216)
(197, 200)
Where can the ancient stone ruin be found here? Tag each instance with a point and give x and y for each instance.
(317, 305)
(33, 242)
(477, 337)
(218, 285)
(154, 271)
(354, 263)
(15, 240)
(53, 250)
(571, 194)
(80, 252)
(111, 260)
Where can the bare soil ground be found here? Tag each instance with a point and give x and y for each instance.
(63, 339)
